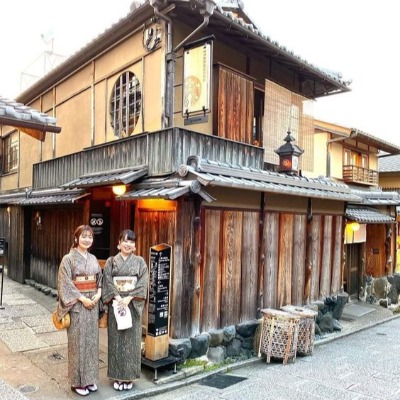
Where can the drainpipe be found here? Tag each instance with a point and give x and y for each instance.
(170, 65)
(206, 9)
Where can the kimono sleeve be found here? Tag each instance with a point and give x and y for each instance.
(109, 290)
(67, 292)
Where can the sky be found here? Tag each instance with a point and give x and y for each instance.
(358, 38)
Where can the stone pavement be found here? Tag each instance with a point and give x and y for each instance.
(33, 355)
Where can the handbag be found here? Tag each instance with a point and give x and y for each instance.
(62, 323)
(103, 321)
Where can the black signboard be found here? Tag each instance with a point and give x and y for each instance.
(99, 221)
(2, 246)
(160, 264)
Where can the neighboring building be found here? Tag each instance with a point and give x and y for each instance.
(352, 157)
(184, 104)
(389, 179)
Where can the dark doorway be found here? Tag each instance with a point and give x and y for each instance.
(353, 270)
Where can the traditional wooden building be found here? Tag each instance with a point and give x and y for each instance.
(389, 180)
(182, 105)
(370, 231)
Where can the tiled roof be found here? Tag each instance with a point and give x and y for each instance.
(44, 197)
(123, 175)
(161, 188)
(368, 216)
(26, 119)
(336, 76)
(389, 164)
(377, 196)
(211, 173)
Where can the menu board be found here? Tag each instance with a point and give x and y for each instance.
(160, 266)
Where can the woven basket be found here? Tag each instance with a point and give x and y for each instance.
(279, 335)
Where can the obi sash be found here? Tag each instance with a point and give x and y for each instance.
(85, 283)
(125, 283)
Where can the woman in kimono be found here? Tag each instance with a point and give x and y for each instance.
(125, 287)
(79, 292)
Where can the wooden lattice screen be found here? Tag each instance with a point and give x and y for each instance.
(285, 110)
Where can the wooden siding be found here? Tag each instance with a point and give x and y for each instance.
(211, 276)
(231, 266)
(250, 253)
(299, 255)
(326, 259)
(52, 241)
(235, 99)
(152, 228)
(16, 243)
(175, 145)
(337, 257)
(270, 241)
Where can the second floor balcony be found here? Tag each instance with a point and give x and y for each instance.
(360, 175)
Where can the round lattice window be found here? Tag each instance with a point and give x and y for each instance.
(125, 104)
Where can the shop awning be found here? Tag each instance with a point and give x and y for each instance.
(12, 198)
(169, 189)
(43, 197)
(106, 178)
(210, 173)
(366, 215)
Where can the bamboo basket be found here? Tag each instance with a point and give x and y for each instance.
(305, 340)
(279, 335)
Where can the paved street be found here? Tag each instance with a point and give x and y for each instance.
(345, 365)
(365, 365)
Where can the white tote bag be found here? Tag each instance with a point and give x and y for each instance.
(123, 316)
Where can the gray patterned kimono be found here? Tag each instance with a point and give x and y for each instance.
(124, 346)
(83, 334)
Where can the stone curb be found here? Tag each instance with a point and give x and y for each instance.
(165, 385)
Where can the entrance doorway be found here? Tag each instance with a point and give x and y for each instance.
(353, 270)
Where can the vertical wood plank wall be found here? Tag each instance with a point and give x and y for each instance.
(231, 264)
(299, 256)
(212, 271)
(235, 111)
(230, 249)
(152, 228)
(51, 241)
(215, 285)
(250, 249)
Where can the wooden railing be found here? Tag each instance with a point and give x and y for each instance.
(162, 151)
(365, 176)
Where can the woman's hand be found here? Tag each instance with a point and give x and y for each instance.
(87, 303)
(96, 298)
(124, 302)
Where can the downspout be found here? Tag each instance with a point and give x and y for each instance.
(170, 65)
(206, 10)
